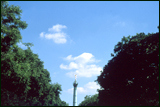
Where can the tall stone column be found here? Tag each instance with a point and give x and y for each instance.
(75, 93)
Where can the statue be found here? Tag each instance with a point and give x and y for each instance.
(75, 76)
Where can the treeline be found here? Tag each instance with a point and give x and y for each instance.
(131, 77)
(24, 81)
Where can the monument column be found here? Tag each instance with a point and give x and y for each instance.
(75, 92)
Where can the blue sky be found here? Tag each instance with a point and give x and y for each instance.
(77, 37)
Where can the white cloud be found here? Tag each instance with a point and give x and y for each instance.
(83, 65)
(57, 28)
(58, 36)
(72, 65)
(85, 71)
(92, 85)
(84, 58)
(69, 58)
(81, 90)
(42, 34)
(89, 88)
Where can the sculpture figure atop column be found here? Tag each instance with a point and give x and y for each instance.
(75, 76)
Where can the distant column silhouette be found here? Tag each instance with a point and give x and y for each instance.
(75, 92)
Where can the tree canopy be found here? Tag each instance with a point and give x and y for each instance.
(90, 100)
(24, 81)
(131, 77)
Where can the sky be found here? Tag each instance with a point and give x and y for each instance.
(78, 37)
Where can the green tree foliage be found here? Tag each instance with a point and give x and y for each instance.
(24, 81)
(10, 25)
(131, 77)
(90, 101)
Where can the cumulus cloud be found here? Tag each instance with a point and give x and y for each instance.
(89, 88)
(42, 34)
(72, 65)
(69, 58)
(57, 36)
(92, 85)
(57, 28)
(83, 65)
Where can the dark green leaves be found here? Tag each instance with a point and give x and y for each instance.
(90, 101)
(10, 25)
(131, 77)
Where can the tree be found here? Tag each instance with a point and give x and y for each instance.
(131, 77)
(24, 81)
(10, 35)
(90, 101)
(10, 25)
